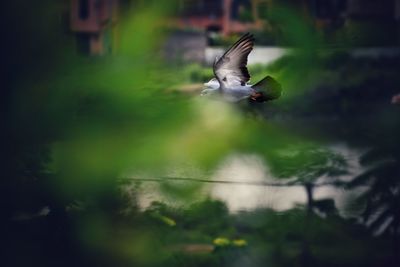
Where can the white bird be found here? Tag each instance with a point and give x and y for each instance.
(231, 76)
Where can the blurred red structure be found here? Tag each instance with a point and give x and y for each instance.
(237, 16)
(220, 15)
(93, 23)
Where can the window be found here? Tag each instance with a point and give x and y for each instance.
(83, 9)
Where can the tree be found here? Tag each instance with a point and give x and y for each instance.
(306, 165)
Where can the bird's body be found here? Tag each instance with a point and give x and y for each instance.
(233, 94)
(231, 76)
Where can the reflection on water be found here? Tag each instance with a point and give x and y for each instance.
(251, 168)
(243, 189)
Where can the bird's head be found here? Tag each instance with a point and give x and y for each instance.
(213, 84)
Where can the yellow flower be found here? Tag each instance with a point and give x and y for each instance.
(239, 243)
(221, 242)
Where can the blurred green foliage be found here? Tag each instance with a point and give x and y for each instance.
(73, 127)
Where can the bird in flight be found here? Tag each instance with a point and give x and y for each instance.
(232, 76)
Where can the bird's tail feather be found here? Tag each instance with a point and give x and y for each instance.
(266, 89)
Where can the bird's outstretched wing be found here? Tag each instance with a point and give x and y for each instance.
(230, 69)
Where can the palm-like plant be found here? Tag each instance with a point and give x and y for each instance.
(381, 199)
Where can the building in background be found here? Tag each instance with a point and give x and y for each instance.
(224, 16)
(366, 22)
(238, 16)
(94, 24)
